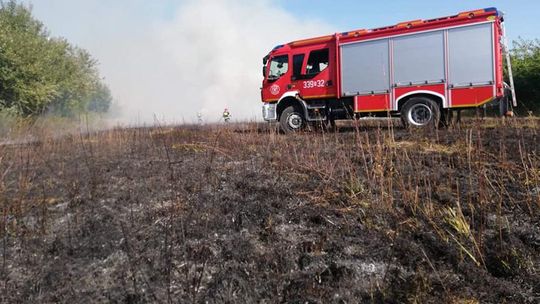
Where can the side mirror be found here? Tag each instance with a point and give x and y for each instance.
(264, 71)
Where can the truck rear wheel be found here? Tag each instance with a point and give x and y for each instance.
(292, 120)
(420, 112)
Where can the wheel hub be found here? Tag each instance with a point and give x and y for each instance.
(420, 115)
(295, 121)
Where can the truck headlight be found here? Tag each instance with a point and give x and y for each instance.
(269, 111)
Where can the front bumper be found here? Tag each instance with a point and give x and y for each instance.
(269, 111)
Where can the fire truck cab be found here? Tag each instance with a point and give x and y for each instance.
(420, 70)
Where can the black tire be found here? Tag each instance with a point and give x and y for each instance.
(421, 112)
(505, 104)
(292, 120)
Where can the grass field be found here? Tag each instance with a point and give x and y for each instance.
(241, 214)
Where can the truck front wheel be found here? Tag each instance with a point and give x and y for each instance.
(291, 120)
(420, 112)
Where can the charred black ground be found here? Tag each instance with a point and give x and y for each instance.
(241, 214)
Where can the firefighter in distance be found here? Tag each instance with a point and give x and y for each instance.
(226, 115)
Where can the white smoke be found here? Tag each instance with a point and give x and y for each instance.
(205, 57)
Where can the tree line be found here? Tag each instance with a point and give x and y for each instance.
(526, 67)
(44, 74)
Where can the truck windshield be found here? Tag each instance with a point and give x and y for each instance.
(278, 67)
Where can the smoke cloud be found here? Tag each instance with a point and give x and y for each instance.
(200, 56)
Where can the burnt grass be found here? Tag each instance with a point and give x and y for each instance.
(372, 213)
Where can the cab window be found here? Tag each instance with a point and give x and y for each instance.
(317, 62)
(279, 66)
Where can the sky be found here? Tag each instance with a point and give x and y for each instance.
(169, 60)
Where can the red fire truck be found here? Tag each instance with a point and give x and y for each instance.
(420, 70)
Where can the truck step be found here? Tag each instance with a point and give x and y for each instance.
(313, 107)
(317, 118)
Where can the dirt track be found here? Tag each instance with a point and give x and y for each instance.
(243, 215)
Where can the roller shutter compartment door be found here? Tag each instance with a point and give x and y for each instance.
(419, 59)
(365, 68)
(471, 55)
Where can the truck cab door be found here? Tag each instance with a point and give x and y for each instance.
(314, 72)
(277, 78)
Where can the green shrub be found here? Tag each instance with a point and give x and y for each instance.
(40, 73)
(526, 68)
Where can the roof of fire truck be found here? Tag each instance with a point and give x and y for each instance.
(400, 28)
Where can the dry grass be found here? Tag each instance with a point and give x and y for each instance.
(240, 213)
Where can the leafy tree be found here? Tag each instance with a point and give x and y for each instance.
(526, 67)
(101, 99)
(39, 73)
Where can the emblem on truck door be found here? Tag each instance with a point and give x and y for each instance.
(274, 90)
